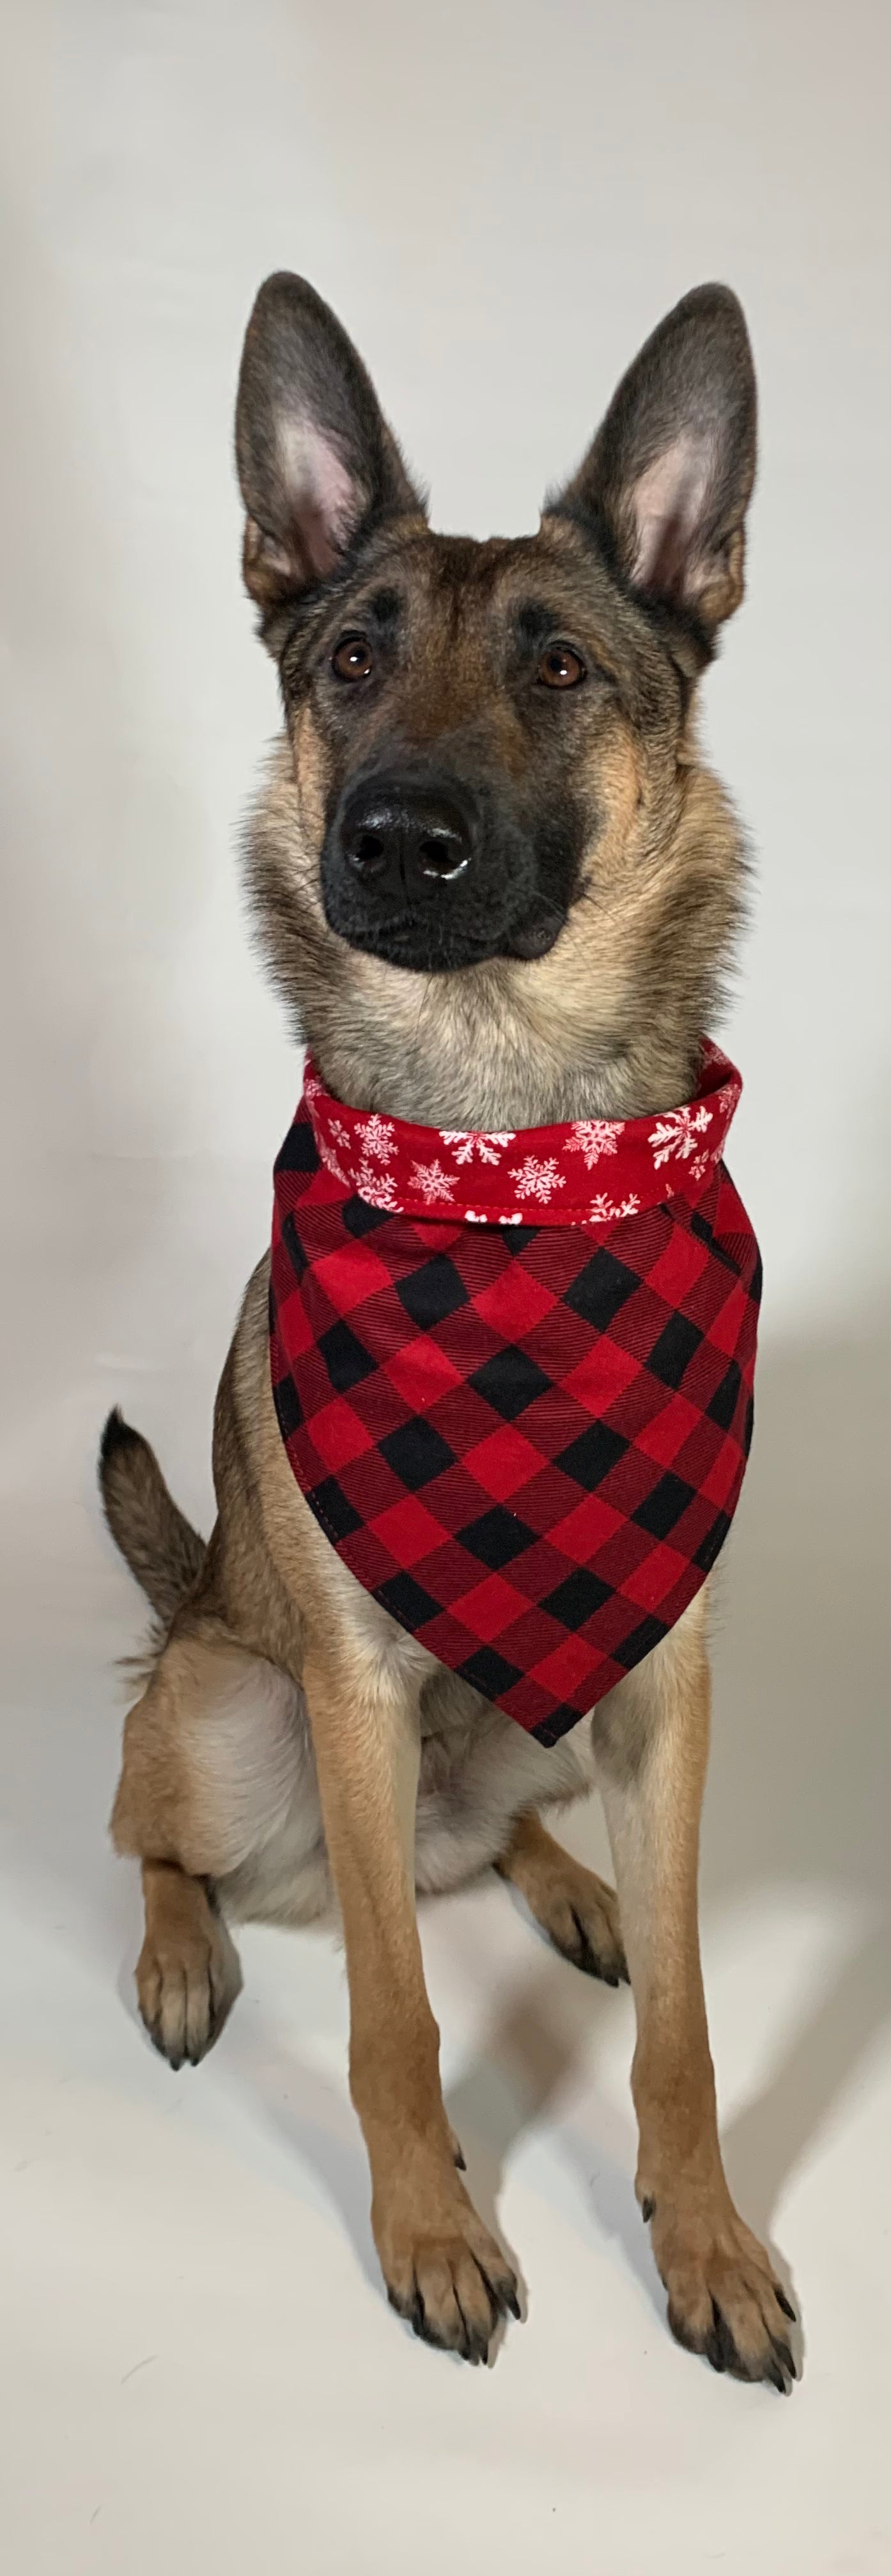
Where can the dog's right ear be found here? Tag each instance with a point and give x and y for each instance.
(317, 463)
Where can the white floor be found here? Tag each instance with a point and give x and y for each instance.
(198, 2365)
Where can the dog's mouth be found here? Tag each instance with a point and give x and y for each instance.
(538, 931)
(437, 947)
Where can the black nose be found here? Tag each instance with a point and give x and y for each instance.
(393, 835)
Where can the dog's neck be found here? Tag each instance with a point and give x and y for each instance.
(607, 1025)
(472, 1057)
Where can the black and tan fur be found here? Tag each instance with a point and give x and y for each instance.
(294, 1750)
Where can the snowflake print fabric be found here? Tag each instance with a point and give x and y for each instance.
(594, 1137)
(537, 1178)
(543, 1172)
(513, 1375)
(465, 1144)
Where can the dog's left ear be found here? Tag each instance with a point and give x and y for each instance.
(668, 480)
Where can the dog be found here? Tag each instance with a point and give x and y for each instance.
(498, 888)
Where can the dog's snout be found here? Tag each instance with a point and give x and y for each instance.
(396, 835)
(423, 868)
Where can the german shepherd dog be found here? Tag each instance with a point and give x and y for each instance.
(526, 706)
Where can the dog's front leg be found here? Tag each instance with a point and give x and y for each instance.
(651, 1738)
(443, 2270)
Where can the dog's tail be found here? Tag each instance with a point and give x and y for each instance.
(161, 1548)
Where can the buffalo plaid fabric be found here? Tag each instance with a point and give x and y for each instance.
(519, 1403)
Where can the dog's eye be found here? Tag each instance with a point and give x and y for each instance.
(352, 658)
(560, 668)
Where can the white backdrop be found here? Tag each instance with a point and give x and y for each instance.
(500, 198)
(500, 201)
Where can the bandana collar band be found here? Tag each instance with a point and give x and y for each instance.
(590, 1171)
(513, 1376)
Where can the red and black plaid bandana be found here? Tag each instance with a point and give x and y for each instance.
(513, 1375)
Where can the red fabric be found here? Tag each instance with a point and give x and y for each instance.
(513, 1375)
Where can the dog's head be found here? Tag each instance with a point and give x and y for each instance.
(490, 778)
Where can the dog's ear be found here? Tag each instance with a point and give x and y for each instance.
(317, 463)
(667, 482)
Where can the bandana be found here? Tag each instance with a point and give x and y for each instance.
(513, 1375)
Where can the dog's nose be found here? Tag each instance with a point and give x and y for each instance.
(395, 833)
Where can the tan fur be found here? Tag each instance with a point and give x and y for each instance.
(707, 2258)
(294, 1750)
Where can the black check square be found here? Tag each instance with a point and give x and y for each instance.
(677, 1345)
(712, 1543)
(346, 1359)
(416, 1452)
(663, 1507)
(497, 1537)
(294, 1247)
(700, 1225)
(336, 1514)
(640, 1642)
(432, 1292)
(360, 1218)
(590, 1457)
(288, 1406)
(602, 1289)
(299, 1152)
(489, 1673)
(406, 1601)
(509, 1381)
(517, 1238)
(726, 1397)
(577, 1598)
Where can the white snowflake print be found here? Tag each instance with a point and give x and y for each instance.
(677, 1133)
(477, 1216)
(432, 1182)
(606, 1211)
(536, 1179)
(332, 1165)
(594, 1137)
(701, 1166)
(376, 1139)
(339, 1131)
(465, 1143)
(378, 1187)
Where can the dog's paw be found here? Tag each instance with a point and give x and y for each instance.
(580, 1915)
(583, 1924)
(187, 1979)
(448, 2278)
(577, 1911)
(724, 2299)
